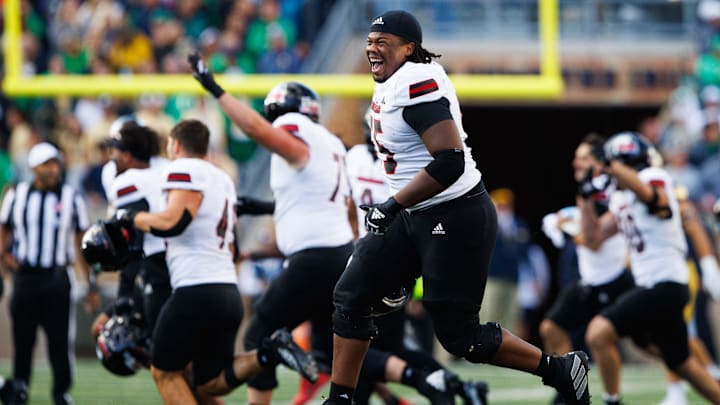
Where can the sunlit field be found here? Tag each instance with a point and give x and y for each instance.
(642, 385)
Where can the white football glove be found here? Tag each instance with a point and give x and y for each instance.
(711, 276)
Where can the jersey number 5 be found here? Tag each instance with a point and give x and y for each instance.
(389, 162)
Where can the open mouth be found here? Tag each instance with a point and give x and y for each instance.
(375, 65)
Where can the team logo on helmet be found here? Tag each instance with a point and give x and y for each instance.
(291, 97)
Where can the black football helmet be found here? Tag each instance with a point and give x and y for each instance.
(122, 346)
(630, 148)
(106, 246)
(292, 97)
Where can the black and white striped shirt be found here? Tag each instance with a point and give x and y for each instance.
(44, 224)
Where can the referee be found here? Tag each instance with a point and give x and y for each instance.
(41, 224)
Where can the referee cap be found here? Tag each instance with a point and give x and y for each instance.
(400, 23)
(41, 153)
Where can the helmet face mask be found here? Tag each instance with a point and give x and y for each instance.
(106, 247)
(291, 97)
(121, 346)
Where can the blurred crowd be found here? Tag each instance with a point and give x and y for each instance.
(144, 37)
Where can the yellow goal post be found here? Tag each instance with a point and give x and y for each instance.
(545, 85)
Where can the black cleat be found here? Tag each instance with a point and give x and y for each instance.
(440, 387)
(13, 392)
(292, 356)
(474, 393)
(571, 379)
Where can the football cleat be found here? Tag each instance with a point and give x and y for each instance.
(443, 385)
(474, 393)
(571, 379)
(292, 356)
(13, 392)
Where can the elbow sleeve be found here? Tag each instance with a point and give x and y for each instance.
(447, 166)
(176, 229)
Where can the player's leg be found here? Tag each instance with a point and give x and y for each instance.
(378, 267)
(669, 333)
(300, 293)
(570, 310)
(454, 269)
(174, 345)
(157, 288)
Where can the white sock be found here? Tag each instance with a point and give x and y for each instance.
(608, 397)
(676, 389)
(714, 371)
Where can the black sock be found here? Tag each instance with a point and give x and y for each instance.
(340, 395)
(545, 367)
(266, 355)
(412, 377)
(231, 379)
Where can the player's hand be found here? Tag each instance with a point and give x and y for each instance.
(202, 74)
(124, 218)
(91, 302)
(711, 276)
(380, 216)
(98, 324)
(253, 206)
(587, 188)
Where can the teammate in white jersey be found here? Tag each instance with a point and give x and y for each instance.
(137, 186)
(439, 223)
(310, 190)
(110, 169)
(603, 274)
(646, 211)
(199, 322)
(367, 180)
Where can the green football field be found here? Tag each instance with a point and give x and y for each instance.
(642, 385)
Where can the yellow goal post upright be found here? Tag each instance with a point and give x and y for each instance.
(545, 85)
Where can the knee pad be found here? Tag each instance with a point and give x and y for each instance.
(374, 365)
(459, 331)
(353, 327)
(488, 338)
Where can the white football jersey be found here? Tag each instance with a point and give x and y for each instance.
(399, 147)
(367, 181)
(657, 246)
(135, 185)
(310, 203)
(201, 253)
(109, 171)
(601, 266)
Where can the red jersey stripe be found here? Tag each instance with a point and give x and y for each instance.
(126, 190)
(657, 183)
(370, 180)
(183, 177)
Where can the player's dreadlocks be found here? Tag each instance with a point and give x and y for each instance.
(422, 55)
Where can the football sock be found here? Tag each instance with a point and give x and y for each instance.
(340, 395)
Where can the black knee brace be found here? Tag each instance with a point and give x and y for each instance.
(488, 338)
(459, 331)
(374, 365)
(353, 327)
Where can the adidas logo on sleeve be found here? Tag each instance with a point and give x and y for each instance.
(438, 230)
